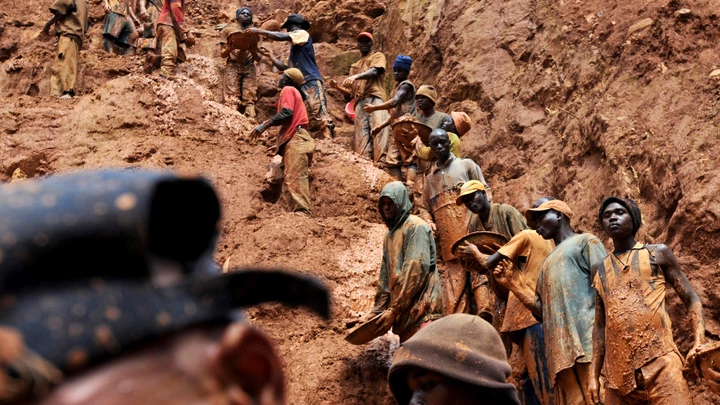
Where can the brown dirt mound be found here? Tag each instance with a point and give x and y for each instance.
(565, 100)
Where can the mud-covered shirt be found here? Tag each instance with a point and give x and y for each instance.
(370, 87)
(118, 6)
(242, 58)
(406, 106)
(637, 325)
(503, 219)
(567, 299)
(526, 250)
(409, 283)
(74, 22)
(434, 121)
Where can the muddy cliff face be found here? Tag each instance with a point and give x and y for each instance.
(583, 100)
(577, 100)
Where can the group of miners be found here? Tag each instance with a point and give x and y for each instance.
(579, 325)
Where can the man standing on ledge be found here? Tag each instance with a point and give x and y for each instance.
(366, 85)
(409, 292)
(633, 336)
(240, 78)
(294, 142)
(302, 56)
(439, 207)
(71, 17)
(171, 34)
(564, 300)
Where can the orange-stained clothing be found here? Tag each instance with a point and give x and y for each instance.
(637, 324)
(290, 98)
(177, 8)
(74, 21)
(527, 250)
(371, 87)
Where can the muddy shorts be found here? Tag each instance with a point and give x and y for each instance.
(661, 382)
(118, 29)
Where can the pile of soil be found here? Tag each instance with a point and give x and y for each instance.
(577, 100)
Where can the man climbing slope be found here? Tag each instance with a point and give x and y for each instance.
(294, 142)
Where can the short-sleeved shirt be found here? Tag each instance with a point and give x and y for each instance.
(169, 6)
(302, 55)
(243, 58)
(74, 22)
(568, 301)
(637, 325)
(451, 174)
(527, 250)
(370, 87)
(503, 219)
(290, 98)
(434, 121)
(118, 7)
(406, 106)
(426, 152)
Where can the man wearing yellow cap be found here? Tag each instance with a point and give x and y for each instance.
(366, 85)
(491, 217)
(564, 299)
(294, 142)
(527, 250)
(448, 220)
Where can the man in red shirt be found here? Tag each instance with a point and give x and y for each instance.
(294, 142)
(170, 34)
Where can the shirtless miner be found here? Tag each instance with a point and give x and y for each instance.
(633, 336)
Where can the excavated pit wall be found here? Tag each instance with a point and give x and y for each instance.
(578, 100)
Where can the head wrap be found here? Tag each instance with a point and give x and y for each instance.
(403, 62)
(460, 346)
(427, 91)
(557, 205)
(469, 187)
(365, 35)
(238, 11)
(461, 121)
(631, 207)
(397, 192)
(296, 19)
(295, 75)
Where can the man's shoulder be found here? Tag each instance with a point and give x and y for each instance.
(414, 221)
(230, 29)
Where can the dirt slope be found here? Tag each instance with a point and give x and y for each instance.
(566, 102)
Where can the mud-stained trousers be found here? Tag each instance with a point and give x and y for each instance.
(531, 342)
(170, 50)
(571, 385)
(240, 87)
(364, 144)
(297, 159)
(663, 382)
(63, 72)
(461, 288)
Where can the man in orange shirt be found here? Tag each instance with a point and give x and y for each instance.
(526, 250)
(294, 142)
